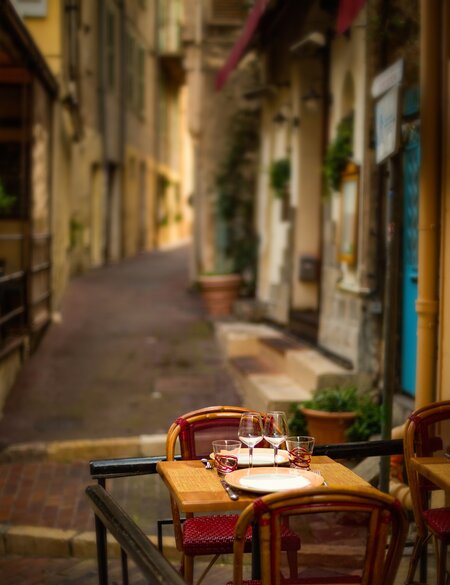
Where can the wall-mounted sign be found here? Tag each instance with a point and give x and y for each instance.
(388, 78)
(387, 124)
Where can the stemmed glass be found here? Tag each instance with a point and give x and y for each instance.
(250, 432)
(275, 431)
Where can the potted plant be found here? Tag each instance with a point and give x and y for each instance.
(337, 414)
(234, 269)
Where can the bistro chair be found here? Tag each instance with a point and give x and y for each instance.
(348, 536)
(427, 433)
(212, 534)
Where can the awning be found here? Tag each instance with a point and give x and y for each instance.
(242, 43)
(348, 11)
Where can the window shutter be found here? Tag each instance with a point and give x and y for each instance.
(228, 9)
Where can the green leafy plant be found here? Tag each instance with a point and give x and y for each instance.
(338, 154)
(342, 399)
(236, 240)
(334, 399)
(7, 201)
(297, 421)
(280, 175)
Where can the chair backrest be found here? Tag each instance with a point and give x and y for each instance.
(347, 536)
(196, 430)
(426, 434)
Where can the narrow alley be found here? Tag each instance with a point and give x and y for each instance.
(132, 349)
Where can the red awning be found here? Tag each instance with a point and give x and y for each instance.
(348, 11)
(242, 43)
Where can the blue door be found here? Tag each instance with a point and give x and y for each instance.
(411, 166)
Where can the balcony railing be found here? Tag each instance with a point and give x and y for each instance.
(12, 310)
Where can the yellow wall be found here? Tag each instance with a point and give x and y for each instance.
(47, 34)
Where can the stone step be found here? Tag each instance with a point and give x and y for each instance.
(302, 363)
(274, 370)
(263, 387)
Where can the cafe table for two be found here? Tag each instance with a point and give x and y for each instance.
(197, 489)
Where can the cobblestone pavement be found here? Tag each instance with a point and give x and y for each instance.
(132, 351)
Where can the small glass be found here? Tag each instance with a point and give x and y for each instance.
(275, 431)
(300, 450)
(250, 432)
(226, 453)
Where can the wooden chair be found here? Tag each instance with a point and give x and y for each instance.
(348, 536)
(213, 534)
(423, 437)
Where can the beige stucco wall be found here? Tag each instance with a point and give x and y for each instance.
(341, 306)
(60, 181)
(306, 179)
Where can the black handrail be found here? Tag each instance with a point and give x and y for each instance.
(130, 466)
(133, 542)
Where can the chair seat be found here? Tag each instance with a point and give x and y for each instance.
(205, 535)
(438, 520)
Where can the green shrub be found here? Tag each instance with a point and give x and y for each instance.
(280, 175)
(341, 399)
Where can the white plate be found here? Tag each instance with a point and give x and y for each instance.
(265, 480)
(261, 456)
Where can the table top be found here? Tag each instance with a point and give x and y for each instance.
(436, 469)
(197, 489)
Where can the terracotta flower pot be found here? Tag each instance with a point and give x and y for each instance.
(328, 427)
(219, 291)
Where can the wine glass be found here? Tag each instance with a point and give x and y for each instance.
(275, 430)
(250, 432)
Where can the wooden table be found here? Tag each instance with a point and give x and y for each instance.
(436, 469)
(197, 489)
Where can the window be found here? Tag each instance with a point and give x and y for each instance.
(130, 71)
(14, 149)
(31, 7)
(349, 210)
(141, 82)
(111, 49)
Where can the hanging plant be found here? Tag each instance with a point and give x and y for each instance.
(280, 175)
(338, 154)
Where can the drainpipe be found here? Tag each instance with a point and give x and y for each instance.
(430, 184)
(122, 120)
(102, 114)
(156, 123)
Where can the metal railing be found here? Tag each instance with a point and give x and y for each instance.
(133, 542)
(110, 516)
(12, 307)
